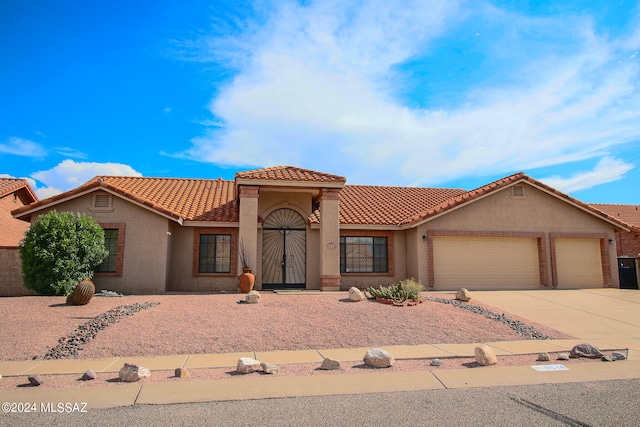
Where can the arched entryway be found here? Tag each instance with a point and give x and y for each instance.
(284, 243)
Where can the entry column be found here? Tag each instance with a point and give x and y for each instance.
(329, 239)
(248, 232)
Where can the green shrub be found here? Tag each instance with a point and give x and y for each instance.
(59, 251)
(405, 290)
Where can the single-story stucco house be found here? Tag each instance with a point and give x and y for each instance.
(14, 193)
(310, 230)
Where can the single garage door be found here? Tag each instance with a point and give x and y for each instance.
(578, 263)
(485, 263)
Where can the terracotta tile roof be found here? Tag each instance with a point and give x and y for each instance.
(289, 173)
(380, 205)
(181, 199)
(627, 213)
(469, 196)
(14, 193)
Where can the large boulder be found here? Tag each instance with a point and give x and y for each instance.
(355, 294)
(378, 358)
(269, 368)
(586, 350)
(485, 355)
(131, 373)
(247, 365)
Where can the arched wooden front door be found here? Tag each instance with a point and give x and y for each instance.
(284, 242)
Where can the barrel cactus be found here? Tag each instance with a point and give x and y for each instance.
(82, 294)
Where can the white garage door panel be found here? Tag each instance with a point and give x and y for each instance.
(485, 263)
(578, 263)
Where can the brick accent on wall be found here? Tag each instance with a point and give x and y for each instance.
(628, 244)
(604, 254)
(373, 233)
(120, 255)
(196, 250)
(329, 194)
(540, 238)
(249, 191)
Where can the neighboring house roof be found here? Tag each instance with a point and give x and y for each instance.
(361, 205)
(627, 213)
(13, 193)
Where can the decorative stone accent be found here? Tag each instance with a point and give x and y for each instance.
(436, 362)
(355, 294)
(608, 359)
(131, 373)
(247, 365)
(563, 356)
(268, 368)
(586, 350)
(89, 375)
(182, 373)
(35, 380)
(378, 358)
(485, 355)
(253, 297)
(618, 355)
(330, 364)
(543, 357)
(463, 295)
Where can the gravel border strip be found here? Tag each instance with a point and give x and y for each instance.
(70, 346)
(528, 332)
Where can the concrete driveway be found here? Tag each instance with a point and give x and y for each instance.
(610, 316)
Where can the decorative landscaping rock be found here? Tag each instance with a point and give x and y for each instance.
(268, 368)
(463, 295)
(485, 356)
(563, 356)
(543, 357)
(586, 350)
(355, 294)
(436, 362)
(330, 364)
(182, 373)
(35, 380)
(608, 359)
(253, 297)
(89, 375)
(246, 365)
(618, 355)
(378, 358)
(131, 373)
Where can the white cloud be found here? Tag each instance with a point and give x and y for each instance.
(317, 85)
(69, 174)
(22, 147)
(608, 169)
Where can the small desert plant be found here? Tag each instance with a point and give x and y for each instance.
(82, 293)
(405, 290)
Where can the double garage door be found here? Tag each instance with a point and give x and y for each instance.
(512, 263)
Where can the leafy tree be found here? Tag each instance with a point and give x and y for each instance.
(60, 250)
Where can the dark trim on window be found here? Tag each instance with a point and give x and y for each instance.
(233, 253)
(381, 257)
(119, 228)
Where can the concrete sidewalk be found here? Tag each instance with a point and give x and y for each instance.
(616, 313)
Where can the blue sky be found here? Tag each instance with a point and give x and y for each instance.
(436, 93)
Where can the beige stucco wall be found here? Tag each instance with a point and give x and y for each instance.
(145, 248)
(11, 284)
(536, 212)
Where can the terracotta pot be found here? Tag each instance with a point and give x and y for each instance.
(246, 280)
